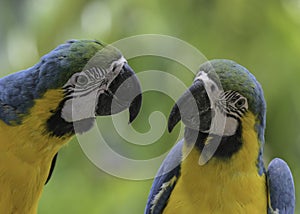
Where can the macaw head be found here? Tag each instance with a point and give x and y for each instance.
(78, 81)
(221, 96)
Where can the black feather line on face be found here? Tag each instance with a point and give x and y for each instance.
(229, 145)
(58, 127)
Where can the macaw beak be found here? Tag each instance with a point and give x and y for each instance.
(193, 108)
(123, 92)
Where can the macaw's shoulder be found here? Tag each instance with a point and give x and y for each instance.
(8, 113)
(281, 187)
(165, 181)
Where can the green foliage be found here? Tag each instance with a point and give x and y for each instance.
(263, 36)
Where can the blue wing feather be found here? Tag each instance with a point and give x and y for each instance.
(169, 169)
(281, 187)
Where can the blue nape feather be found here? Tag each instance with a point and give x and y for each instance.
(18, 91)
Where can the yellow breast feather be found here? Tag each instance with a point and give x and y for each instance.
(222, 185)
(26, 151)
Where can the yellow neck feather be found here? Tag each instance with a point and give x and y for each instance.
(222, 185)
(26, 152)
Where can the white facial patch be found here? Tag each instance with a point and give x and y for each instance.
(80, 108)
(84, 89)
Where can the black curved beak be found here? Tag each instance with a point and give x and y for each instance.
(124, 92)
(193, 108)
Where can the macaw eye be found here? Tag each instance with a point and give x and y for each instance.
(81, 80)
(240, 102)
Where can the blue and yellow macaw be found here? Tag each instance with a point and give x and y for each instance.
(218, 166)
(41, 108)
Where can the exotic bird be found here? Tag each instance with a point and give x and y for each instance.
(218, 166)
(41, 109)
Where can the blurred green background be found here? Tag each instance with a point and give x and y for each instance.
(263, 36)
